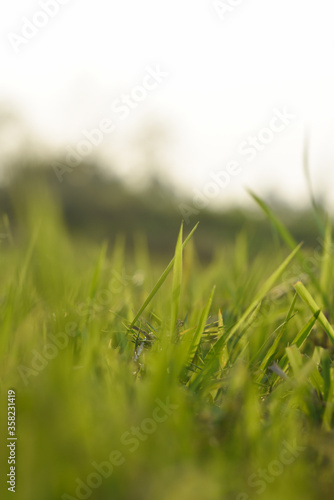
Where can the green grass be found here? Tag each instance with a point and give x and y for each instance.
(96, 344)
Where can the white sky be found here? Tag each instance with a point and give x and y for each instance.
(225, 78)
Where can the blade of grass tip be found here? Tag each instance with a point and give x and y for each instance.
(305, 331)
(282, 230)
(161, 280)
(220, 323)
(177, 279)
(266, 287)
(288, 239)
(314, 308)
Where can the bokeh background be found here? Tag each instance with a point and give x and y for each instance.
(223, 69)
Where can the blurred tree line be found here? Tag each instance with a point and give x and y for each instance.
(98, 205)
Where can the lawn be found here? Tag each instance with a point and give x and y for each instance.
(139, 378)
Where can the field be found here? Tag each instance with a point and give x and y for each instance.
(145, 378)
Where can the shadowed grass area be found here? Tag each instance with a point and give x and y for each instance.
(197, 381)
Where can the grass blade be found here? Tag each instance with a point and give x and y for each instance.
(200, 327)
(177, 280)
(161, 280)
(266, 287)
(281, 229)
(288, 239)
(314, 308)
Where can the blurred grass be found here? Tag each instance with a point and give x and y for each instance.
(245, 361)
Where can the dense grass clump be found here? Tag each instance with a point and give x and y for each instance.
(197, 382)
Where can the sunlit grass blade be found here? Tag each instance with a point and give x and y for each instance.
(287, 238)
(220, 322)
(177, 280)
(282, 230)
(161, 280)
(266, 287)
(314, 308)
(305, 331)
